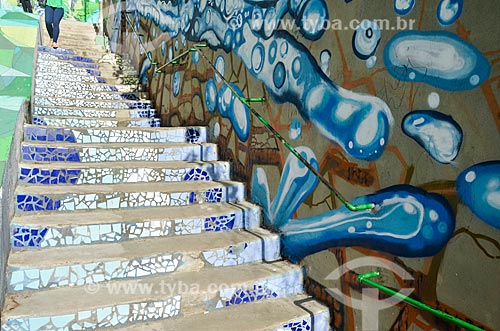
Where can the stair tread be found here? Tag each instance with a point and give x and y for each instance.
(155, 129)
(128, 187)
(119, 164)
(85, 217)
(132, 249)
(52, 301)
(271, 314)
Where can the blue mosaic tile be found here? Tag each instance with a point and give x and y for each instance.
(140, 105)
(93, 72)
(258, 292)
(219, 223)
(23, 236)
(155, 123)
(52, 177)
(55, 51)
(100, 80)
(49, 134)
(197, 174)
(38, 121)
(36, 203)
(129, 96)
(212, 195)
(114, 88)
(43, 153)
(297, 326)
(193, 135)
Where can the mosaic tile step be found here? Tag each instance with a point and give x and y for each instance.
(115, 135)
(86, 86)
(58, 68)
(96, 122)
(112, 152)
(95, 112)
(81, 103)
(122, 302)
(60, 173)
(54, 90)
(295, 313)
(55, 229)
(31, 270)
(68, 198)
(71, 58)
(52, 60)
(51, 50)
(41, 77)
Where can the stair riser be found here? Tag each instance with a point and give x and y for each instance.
(182, 298)
(63, 102)
(95, 113)
(97, 123)
(64, 57)
(55, 91)
(32, 279)
(102, 154)
(37, 174)
(94, 201)
(87, 135)
(40, 78)
(61, 68)
(29, 237)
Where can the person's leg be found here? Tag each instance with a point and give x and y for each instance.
(58, 15)
(49, 21)
(27, 3)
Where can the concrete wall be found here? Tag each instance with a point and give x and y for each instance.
(403, 115)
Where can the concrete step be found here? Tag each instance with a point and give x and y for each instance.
(73, 102)
(56, 229)
(68, 198)
(115, 135)
(36, 269)
(69, 152)
(296, 313)
(61, 173)
(122, 302)
(60, 90)
(95, 122)
(95, 112)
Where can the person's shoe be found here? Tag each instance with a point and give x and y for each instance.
(55, 45)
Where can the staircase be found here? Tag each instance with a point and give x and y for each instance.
(121, 223)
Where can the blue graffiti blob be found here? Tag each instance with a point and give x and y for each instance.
(220, 66)
(403, 7)
(195, 57)
(211, 95)
(176, 83)
(449, 11)
(366, 39)
(313, 16)
(438, 58)
(295, 131)
(231, 107)
(146, 65)
(437, 133)
(296, 184)
(408, 221)
(479, 188)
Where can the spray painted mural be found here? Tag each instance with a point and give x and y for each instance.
(395, 103)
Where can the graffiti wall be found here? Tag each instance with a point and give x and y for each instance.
(395, 103)
(80, 10)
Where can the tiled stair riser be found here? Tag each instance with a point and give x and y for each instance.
(58, 84)
(96, 122)
(52, 89)
(41, 77)
(30, 237)
(319, 322)
(62, 68)
(36, 174)
(63, 57)
(90, 135)
(53, 61)
(37, 153)
(82, 103)
(95, 113)
(114, 200)
(285, 284)
(30, 279)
